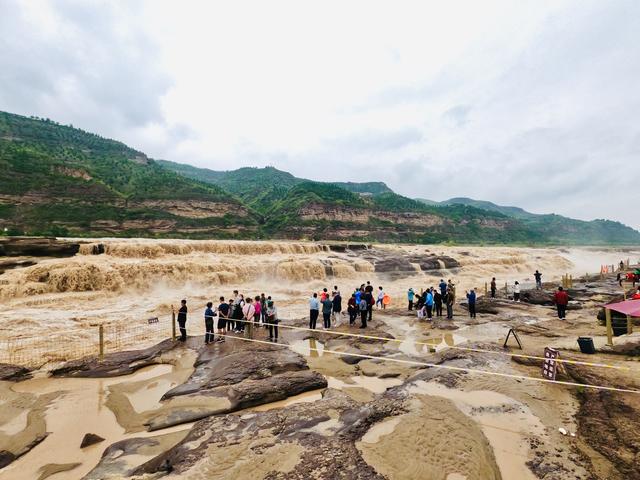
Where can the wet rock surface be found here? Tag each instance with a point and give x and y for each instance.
(13, 373)
(90, 439)
(115, 364)
(37, 247)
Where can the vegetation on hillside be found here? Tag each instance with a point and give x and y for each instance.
(59, 180)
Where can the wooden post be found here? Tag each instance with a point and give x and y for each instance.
(486, 290)
(570, 281)
(173, 324)
(607, 314)
(101, 340)
(629, 322)
(506, 289)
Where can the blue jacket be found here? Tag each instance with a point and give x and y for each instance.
(471, 296)
(429, 299)
(443, 287)
(209, 314)
(410, 295)
(358, 294)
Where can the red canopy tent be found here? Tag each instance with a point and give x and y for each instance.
(630, 308)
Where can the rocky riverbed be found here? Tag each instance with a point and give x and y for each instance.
(413, 399)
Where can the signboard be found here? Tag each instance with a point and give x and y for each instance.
(550, 366)
(152, 320)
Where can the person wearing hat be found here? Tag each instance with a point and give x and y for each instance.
(410, 295)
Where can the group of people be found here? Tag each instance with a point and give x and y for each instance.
(360, 304)
(235, 315)
(433, 299)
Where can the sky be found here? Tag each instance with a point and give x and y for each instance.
(527, 103)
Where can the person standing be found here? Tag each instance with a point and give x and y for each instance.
(428, 302)
(443, 287)
(263, 308)
(410, 295)
(471, 298)
(327, 308)
(258, 306)
(368, 296)
(209, 337)
(538, 277)
(561, 300)
(379, 303)
(223, 315)
(494, 287)
(314, 310)
(271, 316)
(337, 307)
(182, 320)
(449, 299)
(352, 309)
(437, 301)
(516, 291)
(363, 307)
(249, 313)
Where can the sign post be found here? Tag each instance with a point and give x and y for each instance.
(550, 366)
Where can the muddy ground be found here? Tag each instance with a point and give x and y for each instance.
(440, 400)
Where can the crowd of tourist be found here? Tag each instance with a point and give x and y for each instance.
(239, 314)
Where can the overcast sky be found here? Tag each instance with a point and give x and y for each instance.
(534, 104)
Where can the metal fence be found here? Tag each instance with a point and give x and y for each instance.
(49, 350)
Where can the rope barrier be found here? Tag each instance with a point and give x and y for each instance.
(445, 367)
(417, 342)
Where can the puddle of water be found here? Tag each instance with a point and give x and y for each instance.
(306, 397)
(78, 410)
(373, 384)
(381, 429)
(148, 397)
(309, 347)
(16, 424)
(505, 422)
(326, 428)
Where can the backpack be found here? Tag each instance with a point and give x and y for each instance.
(363, 304)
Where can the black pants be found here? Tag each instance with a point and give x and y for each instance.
(516, 296)
(273, 328)
(208, 326)
(370, 312)
(493, 293)
(327, 319)
(439, 309)
(429, 311)
(313, 317)
(363, 318)
(562, 311)
(183, 330)
(472, 310)
(449, 311)
(410, 304)
(353, 314)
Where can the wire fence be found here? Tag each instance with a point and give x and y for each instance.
(52, 349)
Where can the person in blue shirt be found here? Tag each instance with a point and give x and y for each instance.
(428, 301)
(314, 310)
(471, 298)
(208, 323)
(410, 295)
(443, 287)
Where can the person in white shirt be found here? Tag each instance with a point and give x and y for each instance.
(314, 310)
(249, 312)
(380, 298)
(516, 292)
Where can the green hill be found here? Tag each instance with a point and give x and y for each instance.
(60, 180)
(56, 179)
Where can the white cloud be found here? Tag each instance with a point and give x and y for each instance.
(529, 103)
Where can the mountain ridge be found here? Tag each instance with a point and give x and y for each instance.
(60, 180)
